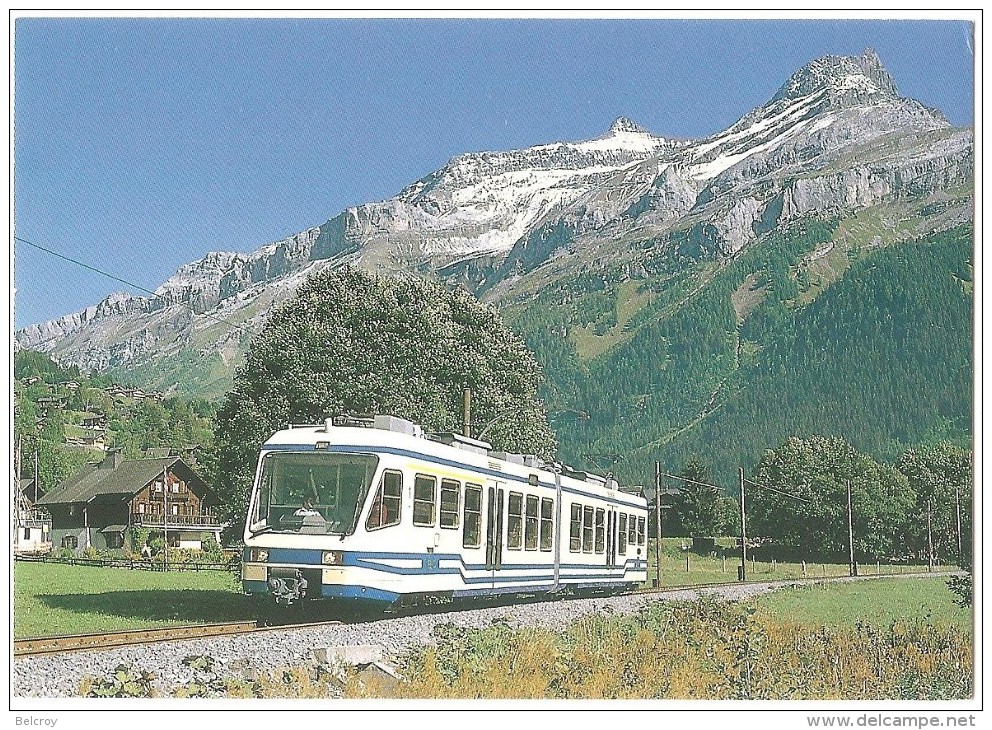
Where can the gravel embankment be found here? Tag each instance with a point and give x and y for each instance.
(60, 676)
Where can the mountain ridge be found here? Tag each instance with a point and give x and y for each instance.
(836, 138)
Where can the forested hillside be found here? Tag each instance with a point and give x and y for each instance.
(796, 336)
(69, 419)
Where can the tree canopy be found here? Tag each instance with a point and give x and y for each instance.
(701, 509)
(799, 498)
(941, 475)
(350, 341)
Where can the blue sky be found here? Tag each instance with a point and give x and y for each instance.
(143, 143)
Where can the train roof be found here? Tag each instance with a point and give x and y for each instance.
(384, 430)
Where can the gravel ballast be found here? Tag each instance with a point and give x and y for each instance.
(61, 675)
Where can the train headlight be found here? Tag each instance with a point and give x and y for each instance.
(332, 557)
(258, 555)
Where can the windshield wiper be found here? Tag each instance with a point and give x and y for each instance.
(264, 529)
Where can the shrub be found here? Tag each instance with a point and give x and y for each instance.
(124, 682)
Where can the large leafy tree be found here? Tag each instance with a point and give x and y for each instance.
(799, 498)
(941, 475)
(698, 503)
(350, 341)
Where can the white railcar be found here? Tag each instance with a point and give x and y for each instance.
(376, 511)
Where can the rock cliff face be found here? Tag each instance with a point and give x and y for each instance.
(835, 138)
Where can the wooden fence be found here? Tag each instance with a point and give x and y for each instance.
(130, 564)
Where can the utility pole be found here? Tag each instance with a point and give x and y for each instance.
(957, 510)
(18, 506)
(853, 566)
(467, 412)
(742, 571)
(929, 538)
(657, 518)
(165, 510)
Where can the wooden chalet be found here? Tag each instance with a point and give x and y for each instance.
(102, 504)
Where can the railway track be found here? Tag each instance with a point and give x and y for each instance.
(96, 642)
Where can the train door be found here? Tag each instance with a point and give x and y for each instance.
(611, 538)
(494, 529)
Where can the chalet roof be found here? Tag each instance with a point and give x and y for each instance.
(112, 478)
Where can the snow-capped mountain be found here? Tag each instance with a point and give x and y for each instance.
(835, 138)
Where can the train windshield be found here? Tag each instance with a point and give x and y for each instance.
(311, 493)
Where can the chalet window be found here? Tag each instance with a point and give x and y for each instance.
(450, 502)
(575, 529)
(388, 502)
(472, 535)
(622, 535)
(69, 541)
(514, 520)
(532, 523)
(27, 533)
(141, 508)
(424, 499)
(587, 513)
(547, 523)
(115, 540)
(600, 531)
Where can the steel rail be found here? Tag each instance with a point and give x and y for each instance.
(40, 646)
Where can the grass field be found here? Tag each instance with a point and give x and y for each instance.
(876, 602)
(685, 568)
(58, 600)
(890, 639)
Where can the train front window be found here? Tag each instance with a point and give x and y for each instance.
(311, 493)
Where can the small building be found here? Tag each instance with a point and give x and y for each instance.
(32, 526)
(94, 420)
(52, 401)
(103, 504)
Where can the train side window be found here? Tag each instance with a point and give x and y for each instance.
(587, 513)
(388, 502)
(575, 531)
(622, 535)
(600, 531)
(640, 531)
(514, 520)
(531, 524)
(450, 503)
(547, 523)
(632, 531)
(424, 497)
(472, 536)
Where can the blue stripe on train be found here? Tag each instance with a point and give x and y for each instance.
(358, 592)
(429, 562)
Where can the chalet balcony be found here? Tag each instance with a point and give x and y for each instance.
(35, 518)
(176, 521)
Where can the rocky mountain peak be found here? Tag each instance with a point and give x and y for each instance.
(623, 124)
(859, 76)
(499, 221)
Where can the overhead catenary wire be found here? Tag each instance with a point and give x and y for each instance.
(116, 278)
(778, 491)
